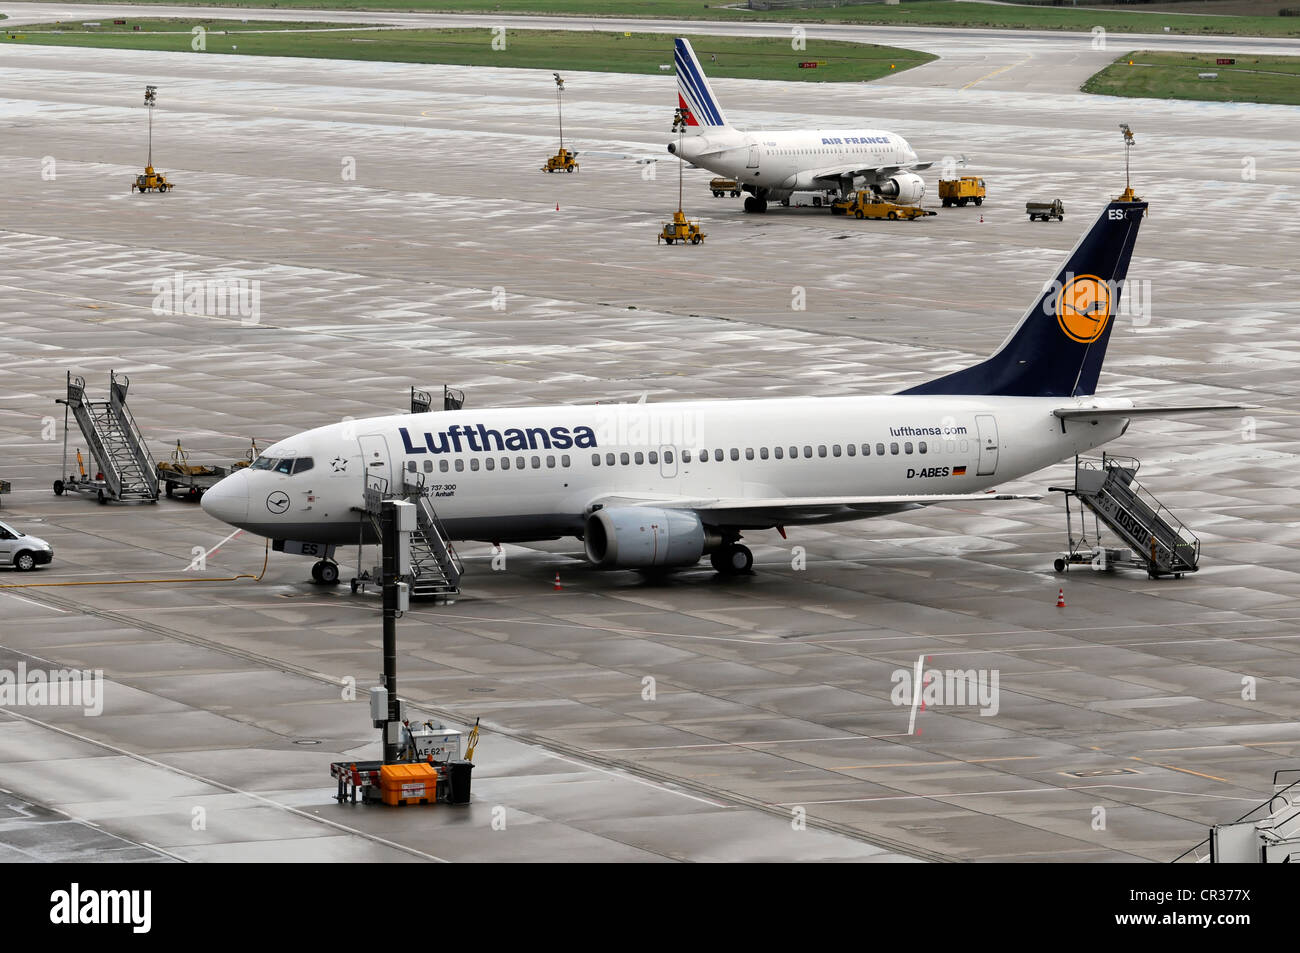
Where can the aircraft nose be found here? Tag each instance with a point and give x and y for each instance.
(228, 500)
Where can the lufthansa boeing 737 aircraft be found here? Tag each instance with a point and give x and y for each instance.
(772, 166)
(662, 485)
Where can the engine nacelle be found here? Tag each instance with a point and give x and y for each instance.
(905, 189)
(636, 537)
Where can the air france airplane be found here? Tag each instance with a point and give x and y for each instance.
(772, 166)
(663, 485)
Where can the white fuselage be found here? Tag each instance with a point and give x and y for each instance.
(534, 473)
(788, 161)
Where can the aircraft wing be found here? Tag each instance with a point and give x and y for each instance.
(834, 174)
(639, 160)
(759, 511)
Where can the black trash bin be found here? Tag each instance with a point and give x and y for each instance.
(459, 774)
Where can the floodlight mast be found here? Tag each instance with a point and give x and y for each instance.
(1129, 143)
(680, 118)
(559, 108)
(150, 94)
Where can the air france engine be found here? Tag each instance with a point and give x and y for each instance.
(905, 189)
(635, 537)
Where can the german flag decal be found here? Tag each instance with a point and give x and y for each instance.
(958, 471)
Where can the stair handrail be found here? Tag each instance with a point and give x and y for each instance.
(431, 513)
(1119, 461)
(139, 448)
(1265, 803)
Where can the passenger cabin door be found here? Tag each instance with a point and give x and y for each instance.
(375, 466)
(988, 429)
(753, 158)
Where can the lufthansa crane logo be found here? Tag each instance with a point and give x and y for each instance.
(277, 502)
(1083, 308)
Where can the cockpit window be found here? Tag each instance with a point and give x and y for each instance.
(283, 466)
(302, 464)
(263, 463)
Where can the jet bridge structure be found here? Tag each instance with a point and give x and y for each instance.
(123, 471)
(1154, 538)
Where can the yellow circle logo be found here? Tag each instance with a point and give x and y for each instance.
(1083, 308)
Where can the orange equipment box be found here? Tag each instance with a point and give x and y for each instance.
(408, 783)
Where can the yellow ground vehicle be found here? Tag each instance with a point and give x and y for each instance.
(721, 187)
(562, 161)
(680, 229)
(969, 188)
(866, 204)
(151, 181)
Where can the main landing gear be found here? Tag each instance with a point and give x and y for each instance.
(732, 559)
(325, 573)
(755, 204)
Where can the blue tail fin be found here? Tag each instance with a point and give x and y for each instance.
(1057, 348)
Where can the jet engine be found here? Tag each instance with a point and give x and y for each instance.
(905, 189)
(635, 537)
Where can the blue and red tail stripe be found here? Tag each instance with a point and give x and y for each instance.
(693, 91)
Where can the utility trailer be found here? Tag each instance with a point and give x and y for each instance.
(151, 181)
(681, 229)
(720, 187)
(428, 770)
(196, 479)
(1045, 211)
(562, 161)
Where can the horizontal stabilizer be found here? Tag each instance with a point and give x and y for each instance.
(1104, 413)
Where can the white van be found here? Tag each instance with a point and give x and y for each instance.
(21, 551)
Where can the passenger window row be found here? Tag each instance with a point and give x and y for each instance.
(640, 458)
(550, 462)
(773, 453)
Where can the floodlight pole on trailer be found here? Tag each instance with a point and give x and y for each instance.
(559, 106)
(1129, 143)
(389, 534)
(150, 95)
(679, 127)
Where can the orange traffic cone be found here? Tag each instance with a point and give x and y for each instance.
(557, 206)
(1060, 599)
(557, 587)
(981, 218)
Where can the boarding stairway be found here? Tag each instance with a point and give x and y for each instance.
(435, 566)
(1160, 541)
(114, 440)
(1269, 833)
